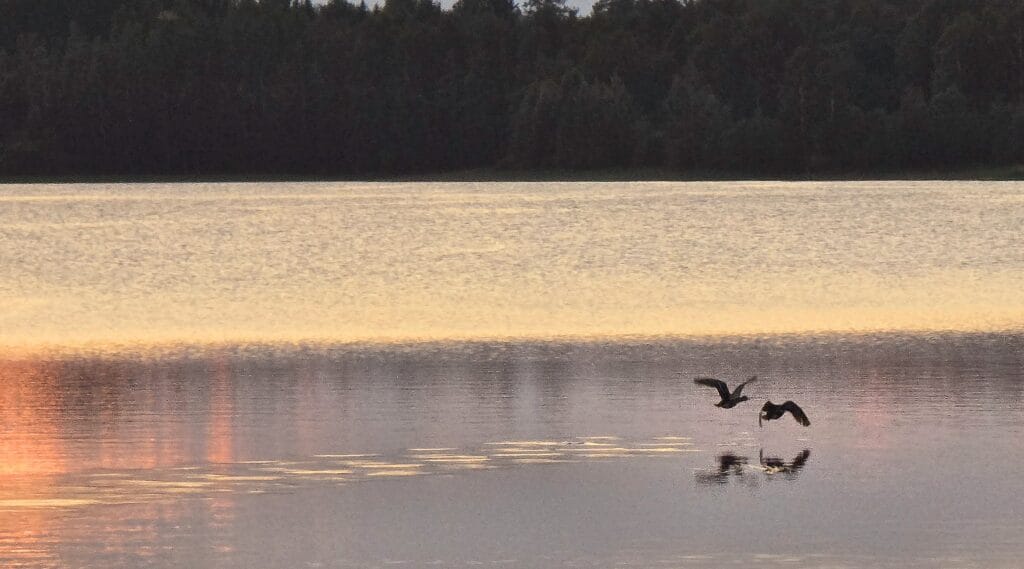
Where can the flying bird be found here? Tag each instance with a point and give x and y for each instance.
(729, 400)
(771, 411)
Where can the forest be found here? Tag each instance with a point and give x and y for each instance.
(697, 87)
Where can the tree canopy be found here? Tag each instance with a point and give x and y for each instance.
(283, 87)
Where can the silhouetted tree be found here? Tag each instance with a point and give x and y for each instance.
(758, 87)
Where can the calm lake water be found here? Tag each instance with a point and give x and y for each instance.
(500, 375)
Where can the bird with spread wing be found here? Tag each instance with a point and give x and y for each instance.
(771, 411)
(729, 400)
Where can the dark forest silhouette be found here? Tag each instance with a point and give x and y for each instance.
(758, 87)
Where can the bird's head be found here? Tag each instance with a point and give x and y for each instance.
(764, 413)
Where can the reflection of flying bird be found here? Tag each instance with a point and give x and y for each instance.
(728, 465)
(772, 465)
(729, 400)
(729, 461)
(771, 411)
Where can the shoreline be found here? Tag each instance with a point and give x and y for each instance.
(994, 174)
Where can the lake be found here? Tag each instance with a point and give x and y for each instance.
(500, 375)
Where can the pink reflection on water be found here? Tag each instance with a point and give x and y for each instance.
(31, 457)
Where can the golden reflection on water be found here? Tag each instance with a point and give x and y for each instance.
(126, 267)
(156, 494)
(219, 447)
(31, 458)
(219, 482)
(29, 444)
(43, 470)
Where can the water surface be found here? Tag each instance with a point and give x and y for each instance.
(100, 265)
(518, 455)
(465, 375)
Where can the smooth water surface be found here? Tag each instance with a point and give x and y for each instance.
(552, 455)
(91, 266)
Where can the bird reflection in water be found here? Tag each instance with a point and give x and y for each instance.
(732, 466)
(729, 465)
(789, 470)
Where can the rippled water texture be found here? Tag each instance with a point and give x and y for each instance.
(277, 376)
(90, 266)
(531, 456)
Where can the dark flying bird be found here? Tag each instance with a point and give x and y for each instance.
(729, 400)
(771, 411)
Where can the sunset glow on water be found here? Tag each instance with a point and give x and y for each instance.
(101, 267)
(351, 375)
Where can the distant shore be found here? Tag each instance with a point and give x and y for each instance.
(1006, 173)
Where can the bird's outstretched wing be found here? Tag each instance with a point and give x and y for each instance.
(739, 388)
(718, 384)
(797, 413)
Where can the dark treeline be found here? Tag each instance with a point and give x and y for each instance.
(278, 87)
